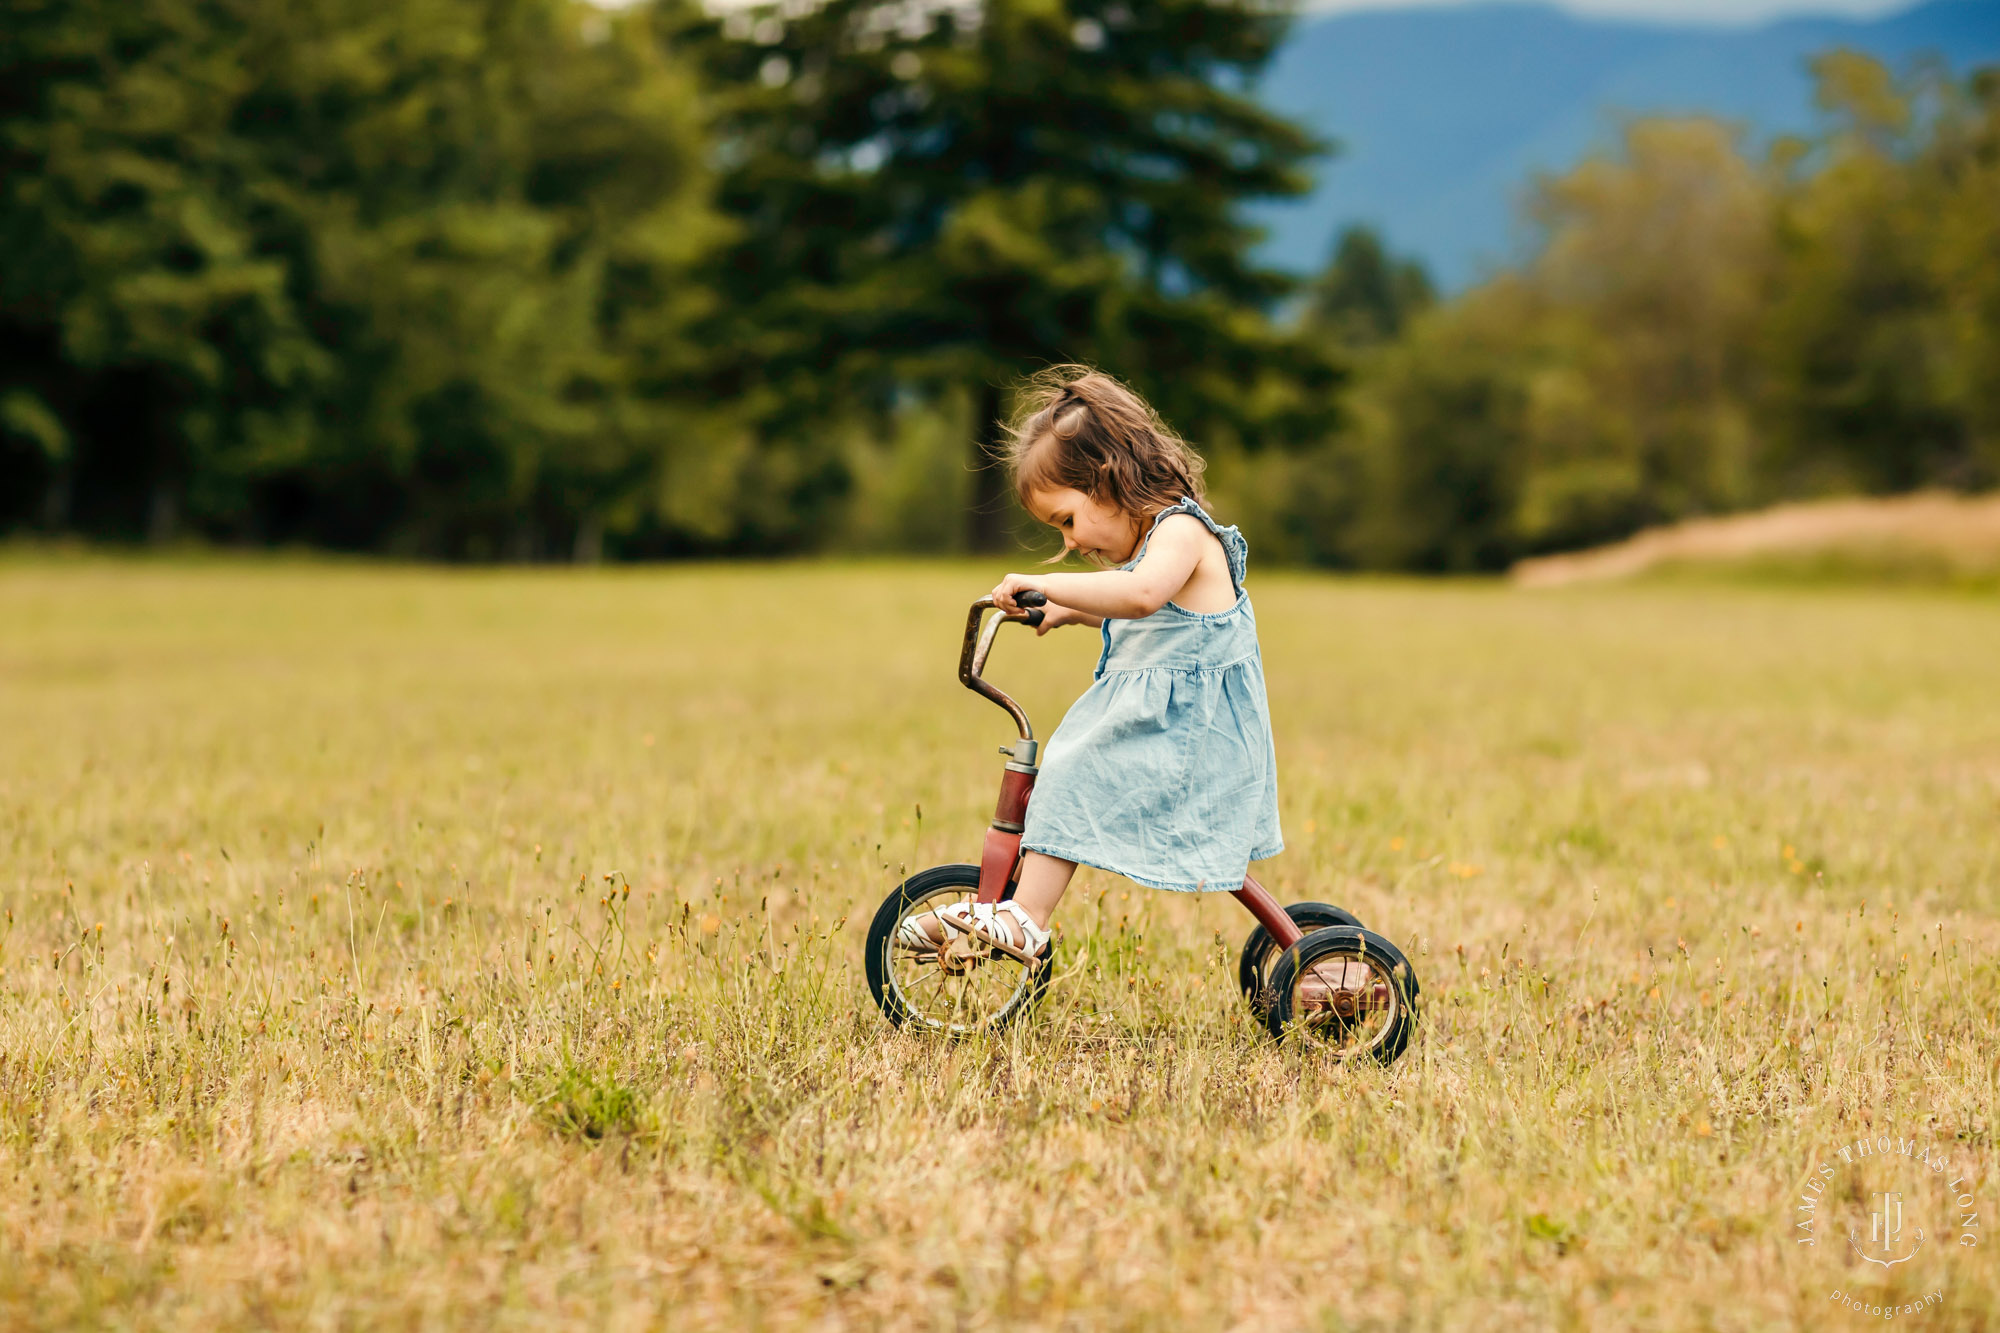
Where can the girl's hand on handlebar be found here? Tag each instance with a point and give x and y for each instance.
(1054, 617)
(1007, 589)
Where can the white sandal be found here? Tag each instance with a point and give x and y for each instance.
(911, 935)
(983, 921)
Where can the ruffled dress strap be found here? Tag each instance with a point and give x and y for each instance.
(1233, 545)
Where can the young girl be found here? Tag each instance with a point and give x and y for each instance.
(1163, 771)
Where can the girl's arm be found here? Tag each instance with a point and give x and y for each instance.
(1119, 594)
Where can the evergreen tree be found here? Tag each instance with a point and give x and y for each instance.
(1366, 296)
(938, 195)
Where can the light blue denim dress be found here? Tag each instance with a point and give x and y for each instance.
(1163, 771)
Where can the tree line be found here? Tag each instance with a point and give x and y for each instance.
(1701, 329)
(531, 279)
(534, 279)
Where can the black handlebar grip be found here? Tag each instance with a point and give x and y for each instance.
(1032, 600)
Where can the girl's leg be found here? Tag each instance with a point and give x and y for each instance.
(1043, 881)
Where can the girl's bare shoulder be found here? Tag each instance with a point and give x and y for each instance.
(1184, 529)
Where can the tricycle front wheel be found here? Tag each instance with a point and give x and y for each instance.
(958, 990)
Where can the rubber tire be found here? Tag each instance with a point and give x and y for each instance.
(1251, 976)
(1349, 939)
(890, 915)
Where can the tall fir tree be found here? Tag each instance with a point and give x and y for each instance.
(1365, 295)
(950, 194)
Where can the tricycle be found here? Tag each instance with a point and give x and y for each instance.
(1309, 969)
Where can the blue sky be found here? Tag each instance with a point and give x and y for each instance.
(1685, 11)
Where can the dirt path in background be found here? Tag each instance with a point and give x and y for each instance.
(1963, 531)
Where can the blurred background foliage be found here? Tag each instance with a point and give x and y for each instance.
(1700, 333)
(533, 280)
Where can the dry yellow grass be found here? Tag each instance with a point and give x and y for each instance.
(1933, 535)
(390, 948)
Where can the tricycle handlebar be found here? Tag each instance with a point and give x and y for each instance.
(978, 644)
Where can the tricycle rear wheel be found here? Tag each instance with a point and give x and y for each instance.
(1348, 989)
(1260, 951)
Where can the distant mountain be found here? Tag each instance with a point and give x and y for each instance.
(1443, 115)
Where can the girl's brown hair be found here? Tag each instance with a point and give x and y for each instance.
(1079, 428)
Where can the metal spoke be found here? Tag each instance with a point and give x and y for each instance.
(1343, 1033)
(955, 1001)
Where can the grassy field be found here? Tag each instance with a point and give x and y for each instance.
(399, 949)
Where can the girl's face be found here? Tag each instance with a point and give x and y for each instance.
(1091, 529)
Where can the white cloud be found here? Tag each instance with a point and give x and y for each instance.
(1730, 12)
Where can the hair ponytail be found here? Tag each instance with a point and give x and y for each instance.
(1078, 428)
